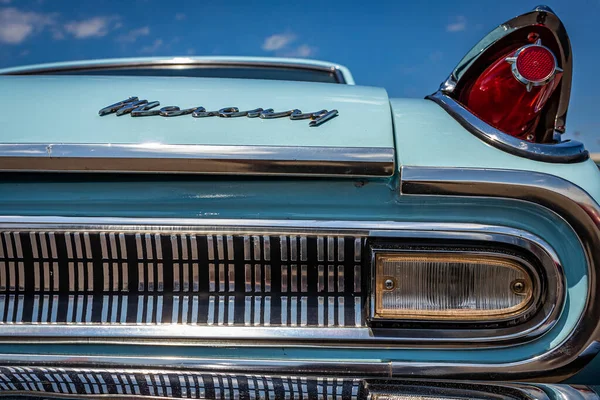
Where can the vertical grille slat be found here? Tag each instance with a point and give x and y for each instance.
(153, 278)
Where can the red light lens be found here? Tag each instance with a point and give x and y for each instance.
(536, 63)
(507, 102)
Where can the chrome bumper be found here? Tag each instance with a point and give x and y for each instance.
(96, 382)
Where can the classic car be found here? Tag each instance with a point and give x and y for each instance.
(253, 228)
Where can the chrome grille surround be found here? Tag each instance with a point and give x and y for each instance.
(300, 281)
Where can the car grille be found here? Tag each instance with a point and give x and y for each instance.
(232, 282)
(152, 278)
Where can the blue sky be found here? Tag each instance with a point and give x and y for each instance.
(406, 47)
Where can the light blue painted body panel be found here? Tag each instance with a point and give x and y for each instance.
(71, 113)
(428, 136)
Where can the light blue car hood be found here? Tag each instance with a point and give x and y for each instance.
(64, 109)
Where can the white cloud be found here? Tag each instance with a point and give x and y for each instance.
(281, 45)
(16, 25)
(303, 50)
(92, 27)
(180, 16)
(158, 43)
(15, 33)
(459, 25)
(133, 35)
(278, 41)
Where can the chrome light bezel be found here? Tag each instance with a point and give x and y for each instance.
(567, 151)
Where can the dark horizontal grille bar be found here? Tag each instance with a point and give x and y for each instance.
(155, 278)
(61, 381)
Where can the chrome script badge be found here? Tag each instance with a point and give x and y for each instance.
(144, 108)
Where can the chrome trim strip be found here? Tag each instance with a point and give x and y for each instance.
(199, 159)
(182, 62)
(544, 319)
(568, 151)
(273, 226)
(569, 201)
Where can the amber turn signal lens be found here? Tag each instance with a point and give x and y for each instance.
(450, 286)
